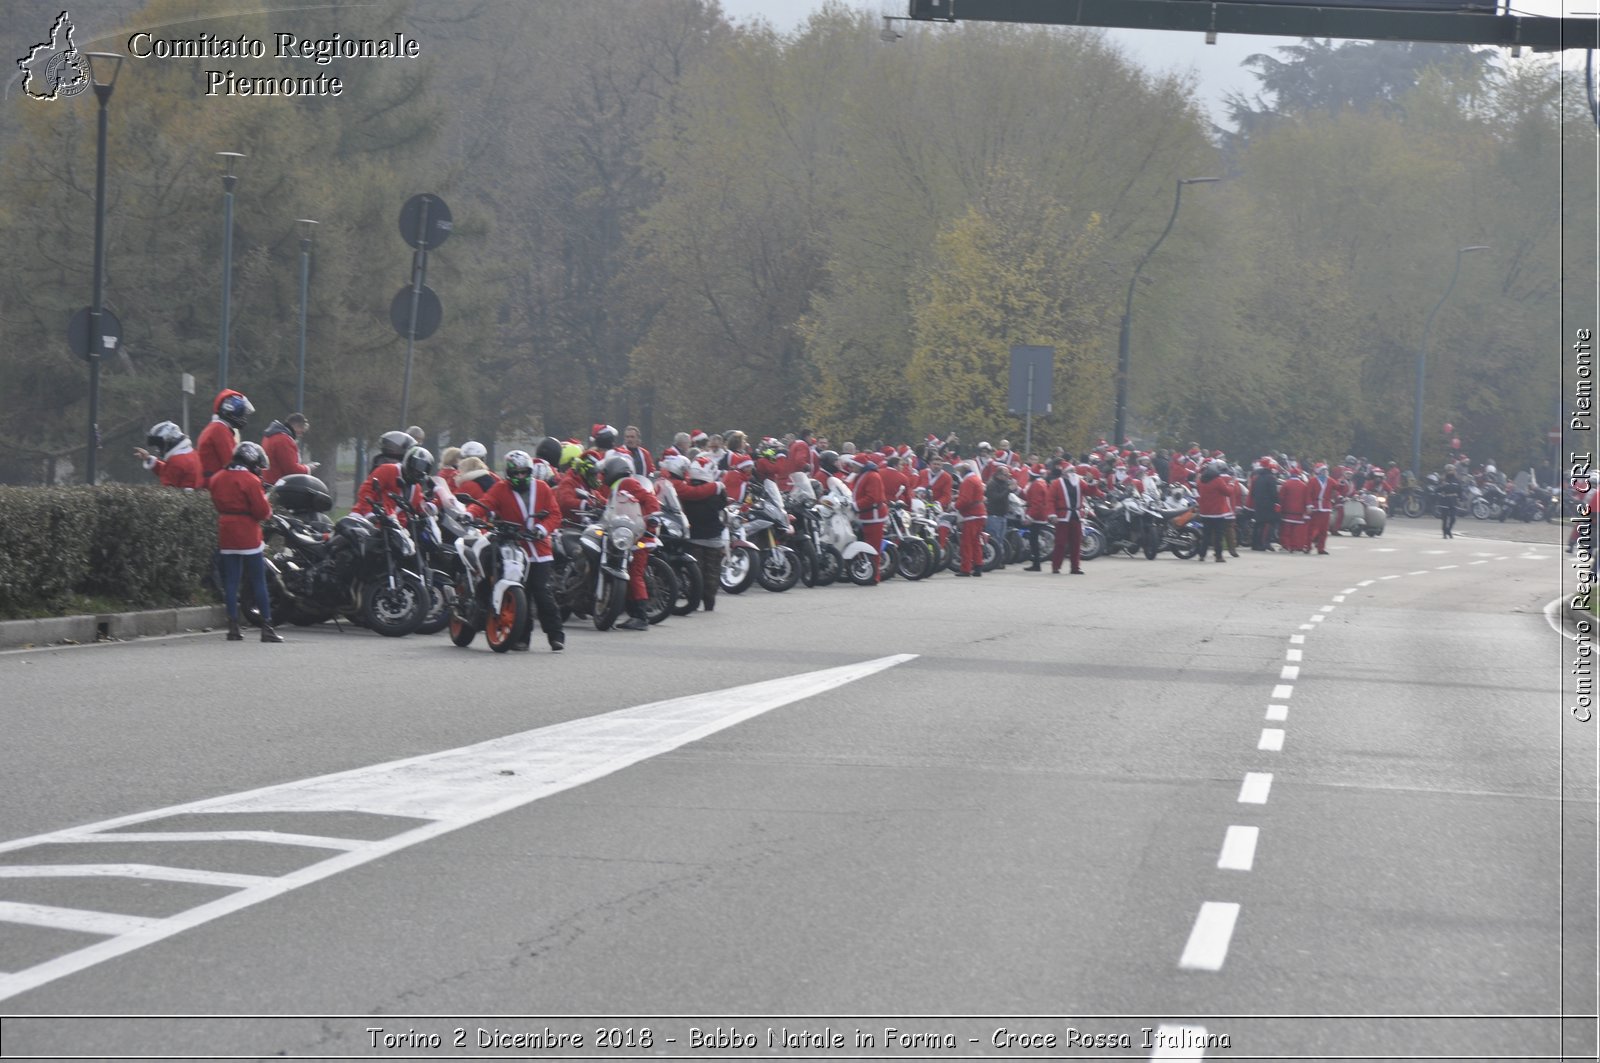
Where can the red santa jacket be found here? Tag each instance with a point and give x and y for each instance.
(216, 446)
(370, 499)
(241, 505)
(871, 498)
(1066, 497)
(1320, 495)
(1038, 499)
(637, 457)
(941, 487)
(283, 455)
(506, 503)
(181, 469)
(474, 484)
(1216, 496)
(969, 499)
(1292, 500)
(896, 485)
(573, 493)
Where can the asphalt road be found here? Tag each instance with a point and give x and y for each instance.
(1053, 815)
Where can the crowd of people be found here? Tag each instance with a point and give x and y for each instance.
(1280, 503)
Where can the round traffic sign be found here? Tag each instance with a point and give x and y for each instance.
(425, 221)
(429, 312)
(78, 334)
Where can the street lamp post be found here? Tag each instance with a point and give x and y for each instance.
(1422, 352)
(1119, 431)
(229, 183)
(305, 275)
(103, 69)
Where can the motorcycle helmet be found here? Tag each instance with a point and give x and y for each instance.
(250, 456)
(675, 465)
(829, 461)
(1432, 478)
(542, 470)
(235, 410)
(164, 438)
(417, 466)
(769, 449)
(615, 468)
(605, 437)
(569, 453)
(474, 449)
(548, 450)
(704, 470)
(395, 444)
(519, 469)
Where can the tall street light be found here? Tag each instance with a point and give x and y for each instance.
(1422, 353)
(1119, 431)
(229, 183)
(305, 276)
(103, 69)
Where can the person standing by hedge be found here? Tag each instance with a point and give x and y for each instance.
(171, 457)
(220, 438)
(281, 441)
(241, 505)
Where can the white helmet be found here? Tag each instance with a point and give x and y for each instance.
(542, 470)
(1489, 469)
(704, 469)
(674, 465)
(474, 449)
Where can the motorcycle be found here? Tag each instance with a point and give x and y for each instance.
(434, 561)
(1489, 502)
(1362, 512)
(673, 533)
(766, 528)
(836, 524)
(1177, 529)
(821, 563)
(914, 556)
(610, 543)
(488, 594)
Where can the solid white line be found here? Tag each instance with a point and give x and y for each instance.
(1297, 640)
(457, 788)
(84, 922)
(1171, 1039)
(1208, 941)
(1295, 655)
(1239, 849)
(1290, 671)
(1282, 691)
(1555, 624)
(1257, 784)
(1277, 713)
(1271, 739)
(149, 871)
(271, 837)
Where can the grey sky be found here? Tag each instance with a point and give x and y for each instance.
(1215, 66)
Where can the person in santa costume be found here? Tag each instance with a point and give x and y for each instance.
(281, 441)
(241, 505)
(220, 437)
(384, 479)
(1321, 491)
(1040, 511)
(1066, 494)
(1292, 512)
(970, 506)
(616, 473)
(704, 498)
(872, 507)
(174, 460)
(524, 497)
(1215, 506)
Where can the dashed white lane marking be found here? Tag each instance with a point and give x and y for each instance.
(1339, 597)
(1239, 848)
(1327, 608)
(1477, 562)
(1383, 550)
(1319, 618)
(1257, 785)
(1277, 713)
(1348, 590)
(1394, 575)
(1207, 947)
(1418, 572)
(1290, 671)
(1443, 567)
(1434, 551)
(451, 789)
(1501, 557)
(1365, 583)
(1297, 640)
(1305, 627)
(1481, 553)
(1293, 655)
(1283, 691)
(1172, 1042)
(1534, 557)
(1271, 739)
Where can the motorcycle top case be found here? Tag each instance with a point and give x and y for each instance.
(302, 493)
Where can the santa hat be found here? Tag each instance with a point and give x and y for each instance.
(698, 436)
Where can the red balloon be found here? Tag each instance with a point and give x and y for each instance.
(1448, 428)
(1455, 444)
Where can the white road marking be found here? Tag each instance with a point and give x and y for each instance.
(1170, 1042)
(1319, 618)
(1348, 590)
(1365, 583)
(1305, 627)
(1555, 624)
(1435, 551)
(150, 871)
(1477, 562)
(1297, 640)
(1271, 739)
(1502, 557)
(1383, 550)
(1481, 553)
(1534, 557)
(1208, 941)
(1277, 713)
(1239, 849)
(1418, 572)
(1283, 691)
(84, 922)
(454, 788)
(1338, 597)
(1257, 784)
(1294, 655)
(269, 837)
(1392, 576)
(1326, 609)
(1443, 567)
(1290, 671)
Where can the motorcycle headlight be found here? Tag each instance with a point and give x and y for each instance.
(622, 538)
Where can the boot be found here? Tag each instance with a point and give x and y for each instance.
(233, 630)
(635, 621)
(268, 635)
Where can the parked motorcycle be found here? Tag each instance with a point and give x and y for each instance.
(766, 527)
(359, 570)
(488, 593)
(609, 544)
(673, 534)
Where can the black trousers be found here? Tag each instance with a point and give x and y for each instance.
(710, 559)
(544, 600)
(1264, 532)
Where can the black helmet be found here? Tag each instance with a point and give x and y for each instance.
(615, 468)
(235, 410)
(605, 437)
(828, 460)
(549, 450)
(417, 465)
(164, 437)
(519, 469)
(395, 444)
(251, 456)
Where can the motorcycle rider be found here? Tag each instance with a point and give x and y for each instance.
(616, 474)
(384, 479)
(524, 497)
(241, 505)
(969, 504)
(704, 499)
(220, 438)
(174, 462)
(281, 441)
(636, 452)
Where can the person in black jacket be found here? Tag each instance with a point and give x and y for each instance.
(1449, 496)
(997, 498)
(1264, 503)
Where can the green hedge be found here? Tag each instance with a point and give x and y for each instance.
(143, 546)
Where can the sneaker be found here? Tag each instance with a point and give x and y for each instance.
(634, 623)
(963, 574)
(556, 644)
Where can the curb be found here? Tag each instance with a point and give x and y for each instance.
(108, 627)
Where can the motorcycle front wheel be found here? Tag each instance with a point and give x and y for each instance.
(394, 611)
(1480, 509)
(1152, 540)
(1412, 507)
(829, 565)
(463, 629)
(915, 560)
(992, 556)
(739, 566)
(691, 586)
(613, 596)
(862, 569)
(1186, 542)
(778, 569)
(1094, 543)
(661, 584)
(437, 614)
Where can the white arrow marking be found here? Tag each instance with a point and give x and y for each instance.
(455, 789)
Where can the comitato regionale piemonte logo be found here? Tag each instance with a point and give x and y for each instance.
(55, 68)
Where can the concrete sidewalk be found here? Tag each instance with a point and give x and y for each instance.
(108, 627)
